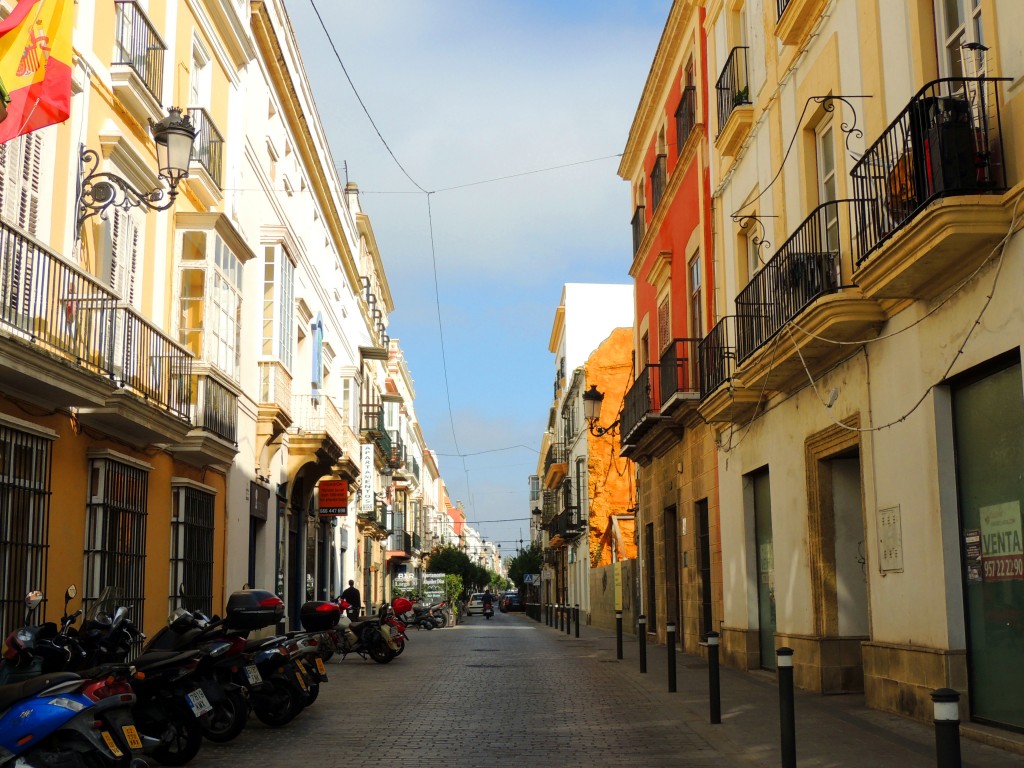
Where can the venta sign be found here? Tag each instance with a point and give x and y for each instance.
(333, 498)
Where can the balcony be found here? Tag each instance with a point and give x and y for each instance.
(638, 225)
(556, 465)
(659, 176)
(680, 376)
(318, 432)
(214, 441)
(796, 18)
(793, 319)
(207, 169)
(928, 205)
(396, 458)
(735, 111)
(137, 68)
(686, 117)
(374, 523)
(371, 417)
(646, 431)
(385, 448)
(400, 545)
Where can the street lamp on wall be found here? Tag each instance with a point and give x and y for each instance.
(174, 136)
(592, 400)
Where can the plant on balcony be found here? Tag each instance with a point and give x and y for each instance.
(742, 96)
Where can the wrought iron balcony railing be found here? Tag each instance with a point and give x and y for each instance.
(216, 408)
(396, 455)
(780, 6)
(400, 541)
(383, 441)
(947, 141)
(638, 225)
(70, 314)
(805, 267)
(208, 149)
(659, 175)
(716, 354)
(137, 45)
(371, 421)
(733, 87)
(557, 454)
(680, 373)
(642, 400)
(317, 414)
(686, 116)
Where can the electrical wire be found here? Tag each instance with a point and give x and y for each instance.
(360, 98)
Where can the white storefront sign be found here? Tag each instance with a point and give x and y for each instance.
(367, 479)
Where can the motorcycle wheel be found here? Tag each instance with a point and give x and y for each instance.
(180, 735)
(380, 652)
(400, 642)
(441, 621)
(426, 624)
(228, 718)
(278, 703)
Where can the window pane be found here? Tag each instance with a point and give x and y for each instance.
(953, 15)
(193, 246)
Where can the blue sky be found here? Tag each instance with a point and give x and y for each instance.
(465, 91)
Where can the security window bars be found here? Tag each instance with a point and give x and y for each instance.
(659, 174)
(24, 521)
(686, 117)
(115, 533)
(191, 562)
(733, 87)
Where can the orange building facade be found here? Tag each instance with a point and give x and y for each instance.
(666, 161)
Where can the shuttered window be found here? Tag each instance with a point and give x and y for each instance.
(20, 180)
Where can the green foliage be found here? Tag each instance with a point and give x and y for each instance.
(527, 561)
(452, 587)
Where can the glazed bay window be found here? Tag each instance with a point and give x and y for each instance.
(25, 471)
(210, 300)
(278, 305)
(192, 516)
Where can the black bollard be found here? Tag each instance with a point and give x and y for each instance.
(714, 685)
(787, 713)
(618, 635)
(641, 636)
(558, 617)
(946, 705)
(670, 644)
(576, 610)
(568, 619)
(561, 617)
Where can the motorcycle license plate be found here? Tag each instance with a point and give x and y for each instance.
(320, 666)
(131, 736)
(253, 675)
(198, 702)
(301, 678)
(111, 744)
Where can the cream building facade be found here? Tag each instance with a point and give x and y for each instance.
(865, 363)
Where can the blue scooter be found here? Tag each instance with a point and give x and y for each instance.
(65, 718)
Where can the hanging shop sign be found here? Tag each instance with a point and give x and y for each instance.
(333, 498)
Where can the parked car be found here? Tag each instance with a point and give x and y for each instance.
(512, 602)
(475, 604)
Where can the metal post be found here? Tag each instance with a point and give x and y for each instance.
(714, 685)
(946, 704)
(618, 635)
(561, 617)
(577, 612)
(787, 714)
(670, 644)
(641, 636)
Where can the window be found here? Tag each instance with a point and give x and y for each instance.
(664, 323)
(278, 305)
(192, 513)
(115, 533)
(826, 160)
(24, 521)
(696, 313)
(958, 24)
(199, 76)
(210, 299)
(20, 176)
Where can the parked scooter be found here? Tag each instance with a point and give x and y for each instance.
(54, 717)
(368, 637)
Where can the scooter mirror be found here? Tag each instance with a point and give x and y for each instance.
(71, 592)
(33, 599)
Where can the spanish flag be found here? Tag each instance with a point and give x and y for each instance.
(35, 65)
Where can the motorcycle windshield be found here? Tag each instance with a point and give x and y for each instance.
(102, 611)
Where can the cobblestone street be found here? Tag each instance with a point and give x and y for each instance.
(511, 691)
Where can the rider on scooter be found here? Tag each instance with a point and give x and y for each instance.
(488, 601)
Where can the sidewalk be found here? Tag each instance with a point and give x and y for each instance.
(831, 731)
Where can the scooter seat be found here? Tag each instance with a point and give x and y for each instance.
(28, 688)
(156, 659)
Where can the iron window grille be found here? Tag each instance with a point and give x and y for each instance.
(25, 472)
(192, 516)
(115, 535)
